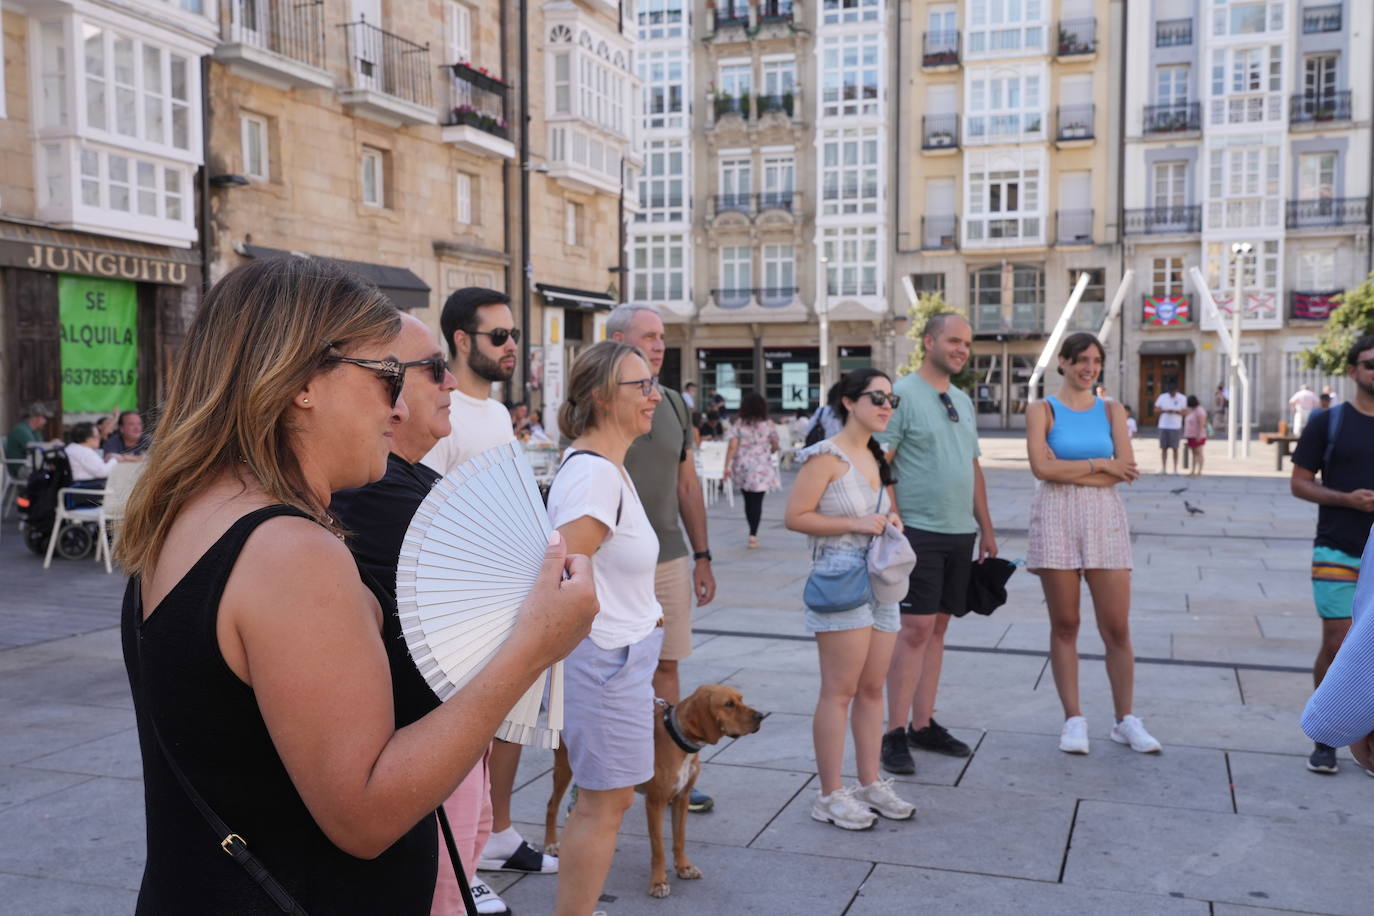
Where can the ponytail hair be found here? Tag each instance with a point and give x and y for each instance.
(851, 386)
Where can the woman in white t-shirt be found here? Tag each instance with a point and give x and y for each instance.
(607, 680)
(83, 454)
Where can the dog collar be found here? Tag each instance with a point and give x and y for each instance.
(675, 731)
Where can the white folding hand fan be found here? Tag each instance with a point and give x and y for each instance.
(471, 555)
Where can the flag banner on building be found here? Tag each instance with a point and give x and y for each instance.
(98, 338)
(1168, 310)
(1313, 306)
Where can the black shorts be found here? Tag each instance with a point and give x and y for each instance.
(939, 583)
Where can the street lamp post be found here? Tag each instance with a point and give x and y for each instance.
(823, 315)
(1239, 251)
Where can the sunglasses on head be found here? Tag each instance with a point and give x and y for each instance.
(499, 336)
(950, 410)
(879, 398)
(646, 385)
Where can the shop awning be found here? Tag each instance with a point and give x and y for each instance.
(405, 290)
(1166, 347)
(569, 298)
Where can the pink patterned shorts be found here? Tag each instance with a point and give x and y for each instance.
(1075, 527)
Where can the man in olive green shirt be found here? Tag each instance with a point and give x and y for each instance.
(28, 430)
(932, 441)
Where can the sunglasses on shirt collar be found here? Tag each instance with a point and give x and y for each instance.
(950, 410)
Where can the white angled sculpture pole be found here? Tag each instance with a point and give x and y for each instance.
(1241, 250)
(1056, 335)
(1228, 346)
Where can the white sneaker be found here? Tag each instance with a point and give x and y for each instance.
(488, 901)
(842, 809)
(1074, 738)
(880, 798)
(1131, 730)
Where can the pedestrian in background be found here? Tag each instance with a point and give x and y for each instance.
(1170, 406)
(1303, 402)
(842, 498)
(1079, 451)
(1338, 443)
(749, 458)
(1195, 433)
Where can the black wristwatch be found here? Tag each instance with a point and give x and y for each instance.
(702, 555)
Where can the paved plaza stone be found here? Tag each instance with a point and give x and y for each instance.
(1226, 821)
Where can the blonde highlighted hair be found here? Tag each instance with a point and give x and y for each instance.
(593, 385)
(261, 334)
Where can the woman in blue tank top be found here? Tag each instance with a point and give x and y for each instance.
(1079, 450)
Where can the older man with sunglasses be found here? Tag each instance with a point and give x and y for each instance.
(932, 442)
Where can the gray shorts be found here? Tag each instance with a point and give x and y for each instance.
(1169, 438)
(608, 712)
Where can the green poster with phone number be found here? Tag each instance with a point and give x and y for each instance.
(99, 344)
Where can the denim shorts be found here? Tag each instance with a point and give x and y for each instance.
(882, 617)
(608, 712)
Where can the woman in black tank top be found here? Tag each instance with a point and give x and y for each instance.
(277, 708)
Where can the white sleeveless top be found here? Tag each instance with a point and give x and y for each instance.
(848, 497)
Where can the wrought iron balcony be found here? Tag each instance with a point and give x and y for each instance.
(1172, 117)
(734, 203)
(477, 99)
(1311, 107)
(1077, 37)
(1074, 227)
(781, 102)
(1173, 33)
(388, 64)
(1328, 212)
(732, 298)
(940, 131)
(290, 30)
(1024, 318)
(732, 105)
(940, 49)
(1074, 122)
(775, 11)
(773, 297)
(939, 233)
(776, 200)
(732, 14)
(1321, 18)
(1164, 220)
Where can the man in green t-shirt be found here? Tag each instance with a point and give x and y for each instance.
(665, 476)
(28, 430)
(932, 441)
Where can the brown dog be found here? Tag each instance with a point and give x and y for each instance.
(712, 712)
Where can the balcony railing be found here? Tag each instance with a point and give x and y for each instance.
(1164, 220)
(1077, 36)
(1088, 316)
(939, 233)
(477, 99)
(734, 203)
(730, 15)
(1319, 106)
(389, 64)
(1025, 318)
(1074, 122)
(1171, 117)
(776, 200)
(732, 298)
(1074, 227)
(729, 104)
(776, 296)
(1173, 33)
(289, 28)
(940, 131)
(1312, 306)
(940, 49)
(775, 11)
(781, 103)
(1327, 212)
(1321, 18)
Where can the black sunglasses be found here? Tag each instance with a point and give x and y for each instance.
(1367, 364)
(388, 370)
(879, 398)
(950, 409)
(499, 335)
(438, 367)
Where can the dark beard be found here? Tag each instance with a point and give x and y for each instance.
(488, 368)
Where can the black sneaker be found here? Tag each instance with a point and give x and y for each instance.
(1323, 759)
(896, 757)
(935, 738)
(700, 802)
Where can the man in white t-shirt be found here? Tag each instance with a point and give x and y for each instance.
(1303, 402)
(482, 340)
(1170, 406)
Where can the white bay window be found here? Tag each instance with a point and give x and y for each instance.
(1005, 104)
(659, 268)
(1247, 85)
(1003, 27)
(852, 252)
(589, 88)
(1243, 185)
(850, 74)
(1005, 203)
(849, 171)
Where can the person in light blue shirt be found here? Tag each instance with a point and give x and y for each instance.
(1341, 711)
(932, 441)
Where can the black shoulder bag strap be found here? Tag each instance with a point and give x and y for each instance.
(586, 451)
(232, 843)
